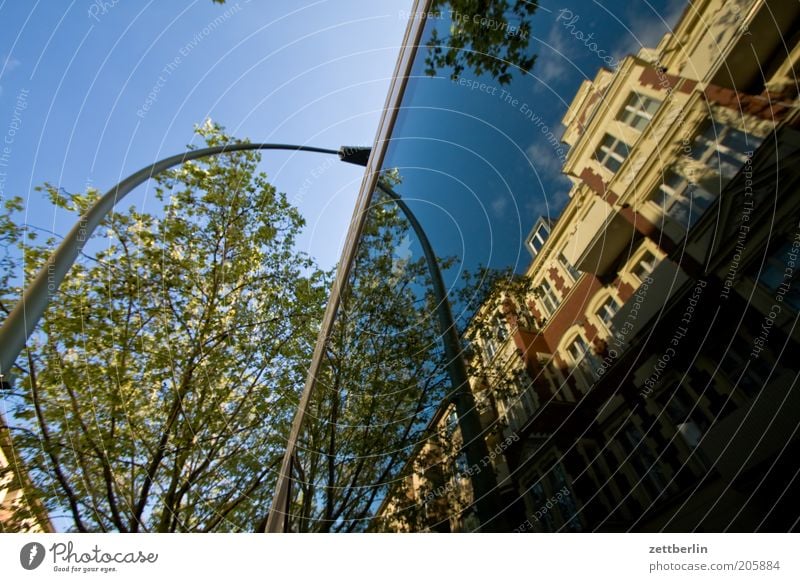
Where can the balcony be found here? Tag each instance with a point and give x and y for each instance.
(647, 302)
(599, 239)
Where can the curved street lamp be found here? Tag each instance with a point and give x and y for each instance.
(21, 322)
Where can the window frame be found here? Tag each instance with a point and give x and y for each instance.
(640, 260)
(672, 199)
(607, 314)
(568, 267)
(540, 232)
(548, 292)
(588, 363)
(636, 109)
(608, 149)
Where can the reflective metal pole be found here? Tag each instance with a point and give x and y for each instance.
(22, 320)
(484, 483)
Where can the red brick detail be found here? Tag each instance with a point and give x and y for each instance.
(600, 347)
(558, 280)
(652, 77)
(594, 181)
(571, 311)
(624, 290)
(521, 340)
(586, 109)
(530, 343)
(591, 330)
(756, 105)
(537, 315)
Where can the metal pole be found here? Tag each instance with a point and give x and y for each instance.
(484, 483)
(22, 320)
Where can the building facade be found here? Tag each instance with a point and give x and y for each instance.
(641, 378)
(20, 511)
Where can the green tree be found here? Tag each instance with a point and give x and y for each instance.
(160, 388)
(381, 381)
(484, 36)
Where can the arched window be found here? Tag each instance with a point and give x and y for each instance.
(608, 309)
(581, 357)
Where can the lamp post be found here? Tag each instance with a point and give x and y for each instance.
(484, 483)
(22, 320)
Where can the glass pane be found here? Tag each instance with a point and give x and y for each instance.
(474, 164)
(612, 164)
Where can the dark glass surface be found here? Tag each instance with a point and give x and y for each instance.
(476, 155)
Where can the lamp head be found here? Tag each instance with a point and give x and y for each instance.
(358, 155)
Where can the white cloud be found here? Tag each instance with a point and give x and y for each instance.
(555, 56)
(8, 65)
(499, 205)
(544, 159)
(647, 27)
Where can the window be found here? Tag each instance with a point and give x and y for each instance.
(548, 297)
(645, 266)
(500, 330)
(644, 462)
(681, 200)
(781, 281)
(687, 416)
(572, 271)
(608, 310)
(577, 349)
(552, 375)
(498, 334)
(612, 152)
(537, 237)
(489, 349)
(723, 149)
(452, 422)
(549, 498)
(566, 503)
(538, 499)
(519, 399)
(536, 241)
(681, 408)
(584, 359)
(718, 152)
(749, 374)
(638, 111)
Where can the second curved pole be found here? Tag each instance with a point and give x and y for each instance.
(484, 483)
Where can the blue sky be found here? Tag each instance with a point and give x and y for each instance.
(477, 166)
(93, 91)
